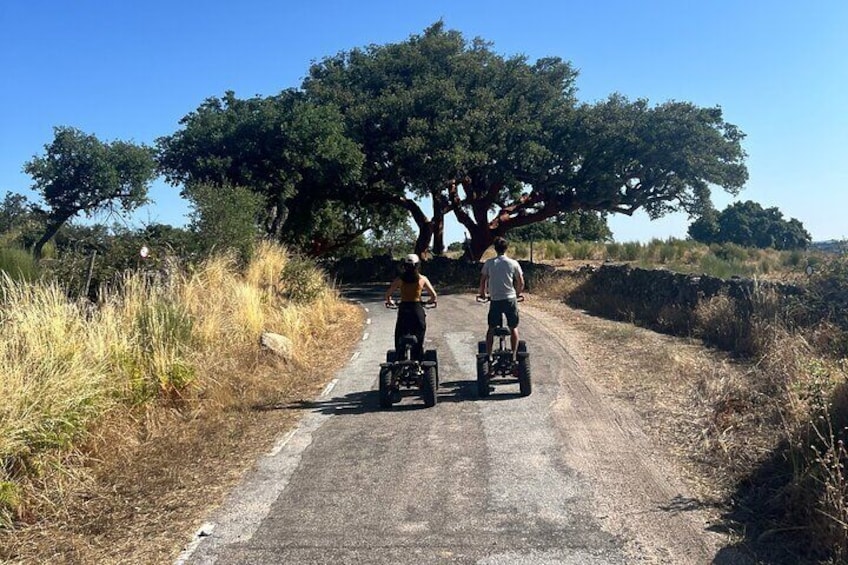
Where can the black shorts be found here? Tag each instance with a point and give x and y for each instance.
(500, 308)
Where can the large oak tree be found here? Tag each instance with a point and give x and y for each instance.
(501, 142)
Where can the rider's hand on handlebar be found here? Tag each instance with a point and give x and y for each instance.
(389, 303)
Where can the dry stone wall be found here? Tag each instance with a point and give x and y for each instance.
(654, 298)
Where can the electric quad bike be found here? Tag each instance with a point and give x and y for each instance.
(402, 371)
(501, 368)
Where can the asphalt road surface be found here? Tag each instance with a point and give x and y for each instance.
(558, 477)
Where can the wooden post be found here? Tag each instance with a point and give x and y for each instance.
(90, 273)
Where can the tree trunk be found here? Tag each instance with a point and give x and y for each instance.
(49, 232)
(481, 238)
(438, 228)
(278, 215)
(422, 242)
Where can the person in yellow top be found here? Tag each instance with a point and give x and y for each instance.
(411, 319)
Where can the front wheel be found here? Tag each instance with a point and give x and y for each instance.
(525, 385)
(428, 386)
(385, 387)
(482, 377)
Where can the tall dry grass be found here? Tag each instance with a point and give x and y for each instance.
(777, 425)
(179, 337)
(795, 399)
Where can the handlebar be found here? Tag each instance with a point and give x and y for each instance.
(394, 305)
(487, 298)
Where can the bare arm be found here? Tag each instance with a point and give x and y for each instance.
(429, 288)
(484, 280)
(519, 282)
(392, 288)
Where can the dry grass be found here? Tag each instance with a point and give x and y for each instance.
(120, 424)
(759, 430)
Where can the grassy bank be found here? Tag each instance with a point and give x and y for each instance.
(769, 428)
(83, 381)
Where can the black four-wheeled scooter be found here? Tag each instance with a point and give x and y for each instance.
(401, 371)
(501, 368)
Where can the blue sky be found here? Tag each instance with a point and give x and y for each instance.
(131, 70)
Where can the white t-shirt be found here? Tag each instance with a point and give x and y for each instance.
(501, 271)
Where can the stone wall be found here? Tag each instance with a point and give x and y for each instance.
(664, 300)
(654, 298)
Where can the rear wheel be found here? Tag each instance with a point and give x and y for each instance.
(385, 387)
(428, 386)
(524, 383)
(430, 355)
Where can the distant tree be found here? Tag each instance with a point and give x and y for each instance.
(705, 227)
(396, 240)
(750, 225)
(80, 174)
(568, 226)
(21, 223)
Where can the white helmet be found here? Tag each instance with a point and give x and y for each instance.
(411, 259)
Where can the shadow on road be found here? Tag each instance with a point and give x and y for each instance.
(360, 402)
(363, 402)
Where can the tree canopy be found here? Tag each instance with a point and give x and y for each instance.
(81, 174)
(751, 225)
(501, 142)
(291, 152)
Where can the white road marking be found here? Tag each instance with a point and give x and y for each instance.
(281, 443)
(365, 336)
(329, 387)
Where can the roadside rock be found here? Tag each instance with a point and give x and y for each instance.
(278, 344)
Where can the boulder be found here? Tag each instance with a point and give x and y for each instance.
(278, 344)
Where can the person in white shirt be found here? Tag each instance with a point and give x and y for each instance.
(503, 278)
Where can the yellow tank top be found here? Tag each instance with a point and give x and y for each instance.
(410, 292)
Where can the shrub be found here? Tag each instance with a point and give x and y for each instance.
(631, 251)
(302, 280)
(18, 264)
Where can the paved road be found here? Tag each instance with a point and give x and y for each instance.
(468, 481)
